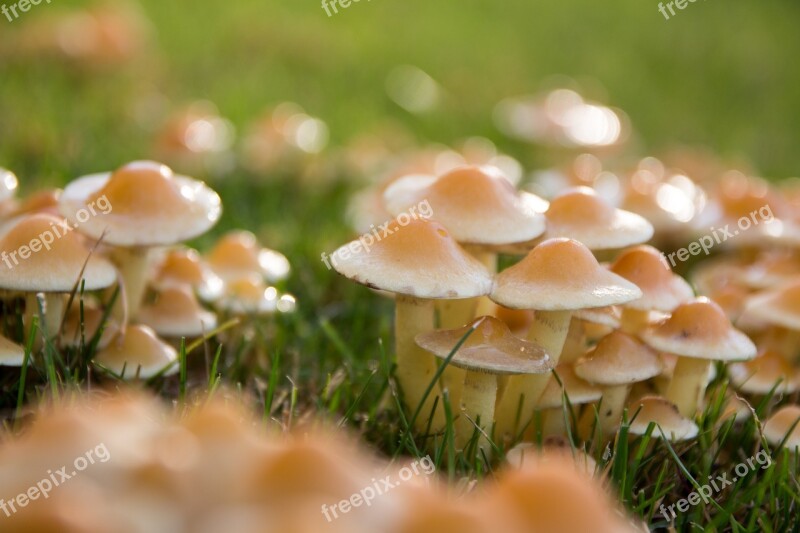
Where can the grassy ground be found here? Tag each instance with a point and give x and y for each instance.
(719, 74)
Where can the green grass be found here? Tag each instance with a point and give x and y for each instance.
(718, 74)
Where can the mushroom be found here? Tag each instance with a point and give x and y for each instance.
(771, 269)
(249, 295)
(662, 290)
(551, 402)
(582, 215)
(8, 189)
(697, 332)
(783, 427)
(557, 277)
(420, 262)
(520, 454)
(618, 361)
(146, 205)
(768, 372)
(176, 313)
(598, 321)
(489, 351)
(31, 265)
(138, 352)
(81, 325)
(11, 354)
(671, 425)
(238, 253)
(186, 266)
(779, 307)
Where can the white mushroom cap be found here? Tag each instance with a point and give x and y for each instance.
(8, 185)
(671, 425)
(141, 204)
(648, 269)
(777, 429)
(238, 254)
(11, 354)
(578, 391)
(779, 306)
(769, 371)
(177, 313)
(138, 351)
(618, 359)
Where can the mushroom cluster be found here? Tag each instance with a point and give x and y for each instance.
(626, 335)
(101, 268)
(141, 469)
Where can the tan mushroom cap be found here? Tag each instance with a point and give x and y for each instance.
(54, 270)
(770, 370)
(8, 185)
(92, 320)
(700, 329)
(779, 306)
(478, 205)
(777, 429)
(11, 354)
(608, 316)
(177, 313)
(250, 295)
(238, 253)
(618, 359)
(647, 269)
(578, 391)
(771, 269)
(490, 348)
(144, 203)
(582, 215)
(138, 351)
(671, 425)
(186, 266)
(522, 453)
(561, 274)
(420, 259)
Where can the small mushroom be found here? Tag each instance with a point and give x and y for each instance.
(8, 189)
(551, 402)
(249, 295)
(81, 327)
(138, 352)
(489, 351)
(139, 206)
(558, 277)
(662, 290)
(779, 307)
(784, 427)
(11, 354)
(697, 332)
(238, 253)
(176, 313)
(671, 425)
(420, 262)
(31, 265)
(582, 215)
(186, 266)
(770, 371)
(617, 362)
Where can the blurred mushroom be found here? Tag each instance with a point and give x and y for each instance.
(11, 354)
(780, 307)
(8, 190)
(137, 352)
(768, 372)
(185, 266)
(176, 313)
(670, 423)
(555, 407)
(238, 253)
(783, 428)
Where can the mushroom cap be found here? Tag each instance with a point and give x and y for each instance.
(518, 321)
(768, 371)
(250, 295)
(490, 348)
(8, 185)
(582, 215)
(561, 274)
(186, 266)
(147, 205)
(92, 320)
(771, 269)
(11, 354)
(646, 267)
(420, 259)
(56, 269)
(137, 349)
(671, 425)
(776, 430)
(699, 329)
(477, 204)
(779, 306)
(238, 253)
(618, 359)
(578, 391)
(608, 316)
(177, 313)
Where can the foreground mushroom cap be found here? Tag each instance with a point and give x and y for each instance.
(670, 424)
(489, 348)
(478, 205)
(581, 215)
(647, 269)
(780, 306)
(561, 274)
(177, 313)
(56, 269)
(700, 329)
(618, 359)
(608, 316)
(138, 351)
(238, 254)
(147, 205)
(420, 259)
(784, 424)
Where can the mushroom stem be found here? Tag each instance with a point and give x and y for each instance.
(488, 259)
(611, 407)
(54, 313)
(415, 366)
(575, 343)
(549, 330)
(553, 423)
(634, 320)
(688, 384)
(132, 264)
(477, 408)
(454, 314)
